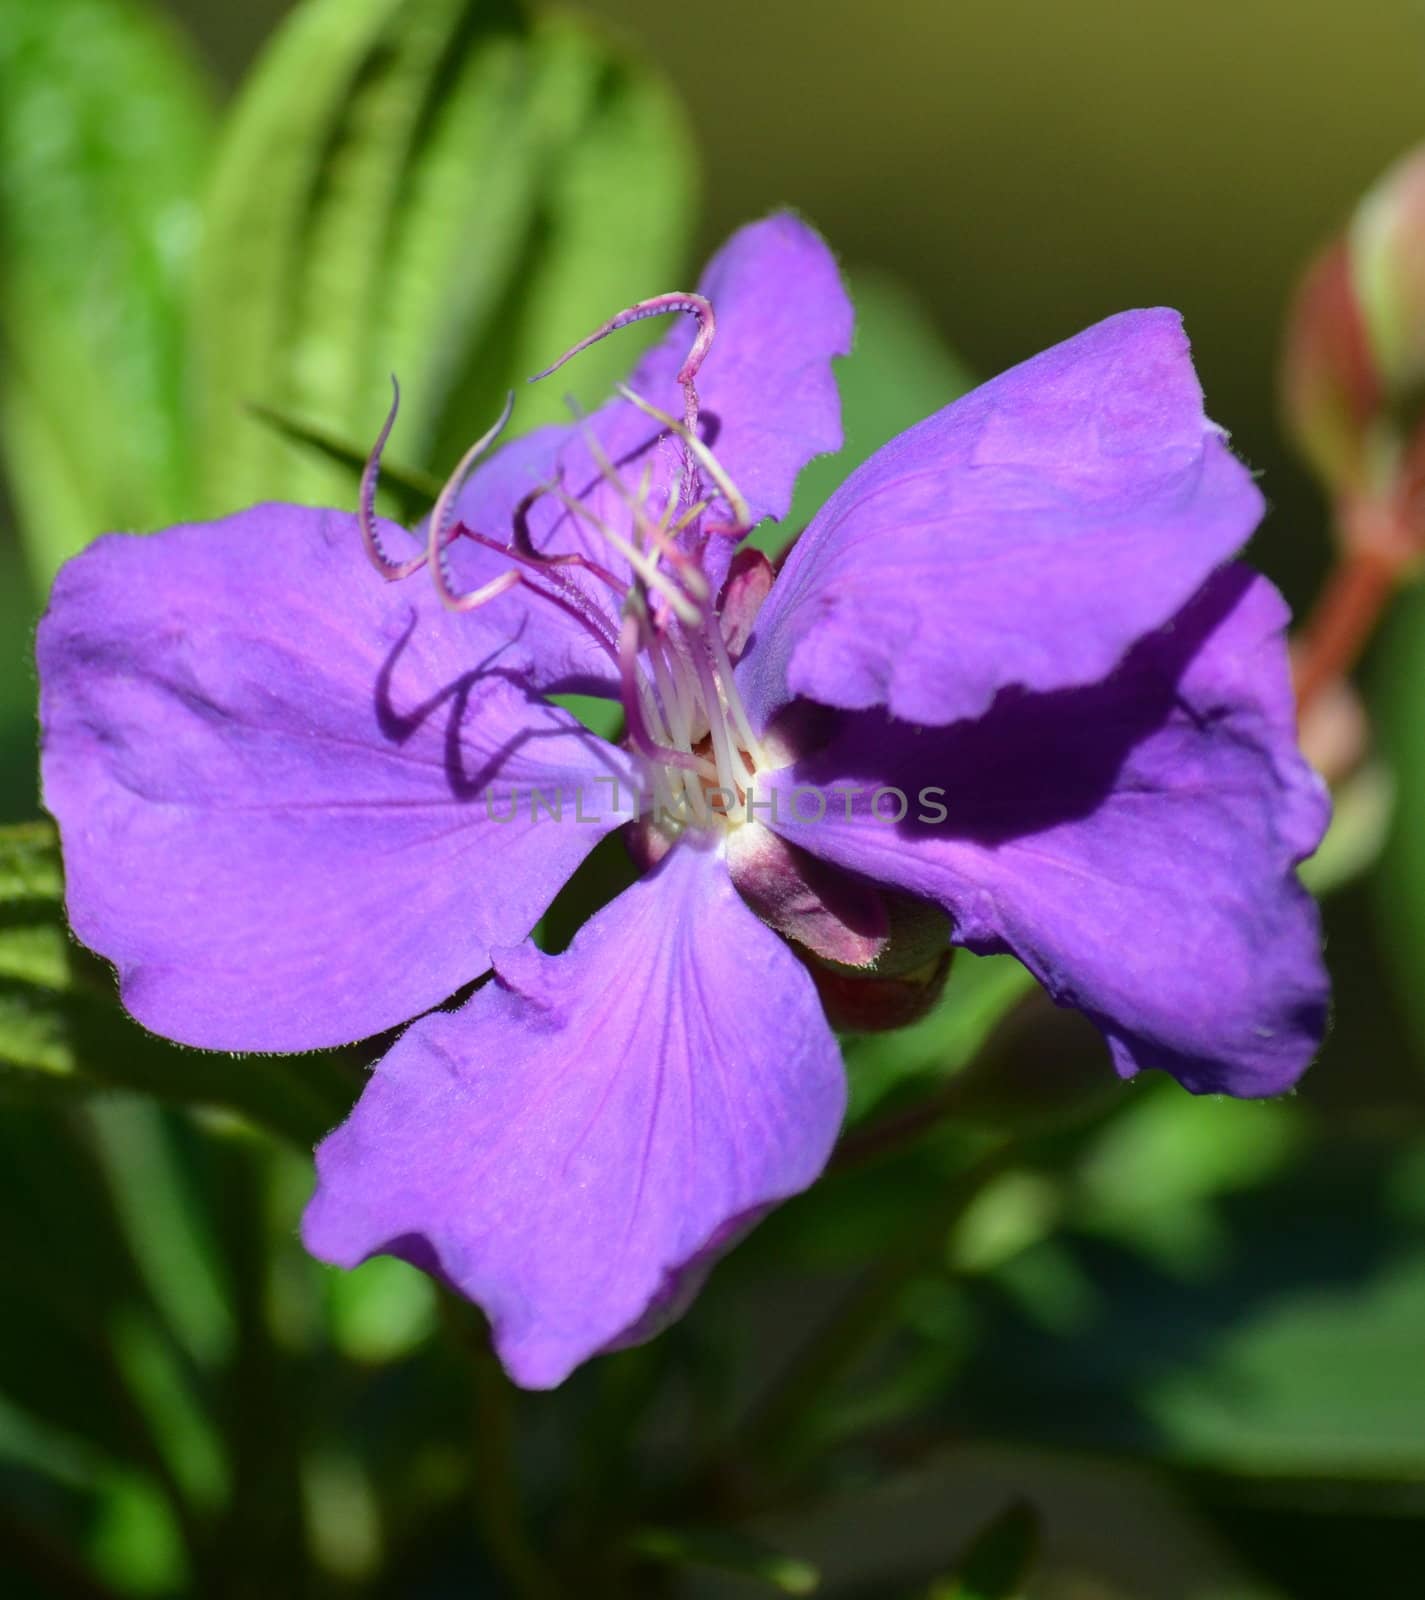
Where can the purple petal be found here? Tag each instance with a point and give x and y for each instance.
(1027, 535)
(1132, 843)
(269, 769)
(768, 405)
(570, 658)
(590, 1128)
(767, 389)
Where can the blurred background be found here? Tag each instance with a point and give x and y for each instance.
(1226, 1398)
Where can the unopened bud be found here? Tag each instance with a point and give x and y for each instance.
(1330, 386)
(1387, 247)
(749, 582)
(905, 980)
(870, 1002)
(832, 915)
(879, 960)
(1353, 371)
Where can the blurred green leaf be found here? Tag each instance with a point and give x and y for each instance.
(29, 863)
(413, 492)
(63, 1033)
(998, 1563)
(1284, 1342)
(1399, 884)
(1362, 811)
(726, 1550)
(17, 683)
(1155, 1175)
(161, 1388)
(60, 1303)
(437, 188)
(136, 1541)
(381, 1311)
(154, 1201)
(981, 990)
(104, 133)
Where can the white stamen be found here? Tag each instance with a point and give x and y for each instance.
(659, 582)
(750, 742)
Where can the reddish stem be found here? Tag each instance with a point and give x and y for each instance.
(1375, 557)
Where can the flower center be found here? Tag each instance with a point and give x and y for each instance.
(685, 719)
(686, 722)
(689, 727)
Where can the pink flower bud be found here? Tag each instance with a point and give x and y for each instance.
(1353, 370)
(1387, 248)
(1330, 386)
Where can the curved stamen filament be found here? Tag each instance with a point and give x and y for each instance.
(443, 531)
(693, 304)
(650, 531)
(706, 459)
(440, 517)
(524, 549)
(684, 716)
(502, 583)
(366, 510)
(563, 595)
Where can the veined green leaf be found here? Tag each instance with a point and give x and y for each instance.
(104, 134)
(436, 188)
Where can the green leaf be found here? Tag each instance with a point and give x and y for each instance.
(381, 1311)
(1362, 809)
(998, 1562)
(413, 492)
(1398, 684)
(981, 990)
(62, 1032)
(154, 1200)
(727, 1550)
(1266, 1321)
(436, 188)
(104, 134)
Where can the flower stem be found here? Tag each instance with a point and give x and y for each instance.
(1376, 555)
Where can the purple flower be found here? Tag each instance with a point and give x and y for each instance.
(1010, 670)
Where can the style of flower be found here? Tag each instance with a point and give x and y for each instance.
(293, 793)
